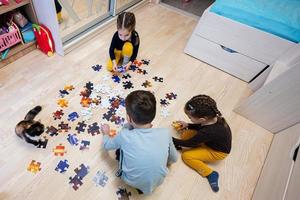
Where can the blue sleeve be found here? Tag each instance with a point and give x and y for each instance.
(112, 143)
(172, 152)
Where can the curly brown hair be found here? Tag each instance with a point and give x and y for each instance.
(202, 106)
(126, 20)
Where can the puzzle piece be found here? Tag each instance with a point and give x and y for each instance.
(137, 63)
(75, 182)
(85, 92)
(165, 112)
(171, 96)
(133, 68)
(73, 140)
(158, 79)
(147, 84)
(123, 194)
(145, 62)
(116, 78)
(62, 102)
(117, 119)
(59, 150)
(34, 167)
(126, 76)
(89, 85)
(164, 102)
(42, 144)
(62, 166)
(100, 179)
(73, 116)
(58, 114)
(85, 145)
(97, 67)
(64, 127)
(52, 131)
(94, 129)
(142, 71)
(80, 127)
(69, 87)
(127, 85)
(121, 69)
(63, 93)
(82, 171)
(85, 102)
(87, 114)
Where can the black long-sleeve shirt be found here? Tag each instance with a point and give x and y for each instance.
(117, 43)
(216, 136)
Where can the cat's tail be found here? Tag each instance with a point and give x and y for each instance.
(33, 112)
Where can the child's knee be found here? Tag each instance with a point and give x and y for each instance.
(109, 65)
(127, 49)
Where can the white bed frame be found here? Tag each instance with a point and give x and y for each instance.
(233, 47)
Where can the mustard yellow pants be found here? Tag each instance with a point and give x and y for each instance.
(196, 157)
(127, 51)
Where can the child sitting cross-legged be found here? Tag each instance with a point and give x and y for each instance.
(143, 151)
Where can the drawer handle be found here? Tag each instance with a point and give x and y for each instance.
(228, 49)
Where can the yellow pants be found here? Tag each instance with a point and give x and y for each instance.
(127, 51)
(196, 157)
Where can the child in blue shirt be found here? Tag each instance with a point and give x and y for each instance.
(145, 152)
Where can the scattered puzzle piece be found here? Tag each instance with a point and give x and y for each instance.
(58, 114)
(85, 92)
(73, 140)
(147, 84)
(158, 79)
(73, 116)
(80, 127)
(176, 125)
(137, 63)
(34, 167)
(123, 194)
(89, 85)
(85, 102)
(126, 76)
(165, 112)
(94, 129)
(64, 127)
(142, 71)
(100, 179)
(52, 131)
(63, 93)
(75, 182)
(116, 78)
(127, 85)
(82, 171)
(145, 62)
(42, 144)
(69, 87)
(62, 103)
(164, 102)
(97, 67)
(171, 96)
(62, 166)
(59, 150)
(85, 145)
(133, 68)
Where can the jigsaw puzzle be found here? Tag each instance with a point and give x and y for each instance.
(69, 87)
(85, 92)
(59, 150)
(73, 116)
(80, 128)
(126, 76)
(64, 127)
(62, 102)
(63, 93)
(147, 84)
(75, 182)
(142, 71)
(34, 167)
(123, 194)
(85, 102)
(89, 85)
(164, 102)
(145, 62)
(52, 131)
(171, 96)
(158, 79)
(100, 179)
(85, 145)
(94, 129)
(62, 166)
(58, 114)
(116, 78)
(127, 85)
(73, 140)
(82, 171)
(97, 67)
(165, 112)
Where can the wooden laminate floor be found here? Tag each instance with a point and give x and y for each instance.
(36, 79)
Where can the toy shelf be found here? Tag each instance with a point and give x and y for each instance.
(13, 5)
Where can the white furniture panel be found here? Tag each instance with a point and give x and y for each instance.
(234, 63)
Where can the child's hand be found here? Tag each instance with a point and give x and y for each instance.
(180, 125)
(105, 129)
(127, 66)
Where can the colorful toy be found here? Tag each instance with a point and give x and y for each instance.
(94, 129)
(58, 114)
(137, 63)
(73, 116)
(85, 102)
(62, 102)
(34, 167)
(64, 127)
(52, 131)
(80, 127)
(44, 39)
(123, 194)
(100, 179)
(85, 145)
(59, 150)
(62, 166)
(73, 140)
(97, 67)
(112, 133)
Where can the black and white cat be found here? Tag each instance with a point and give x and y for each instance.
(29, 129)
